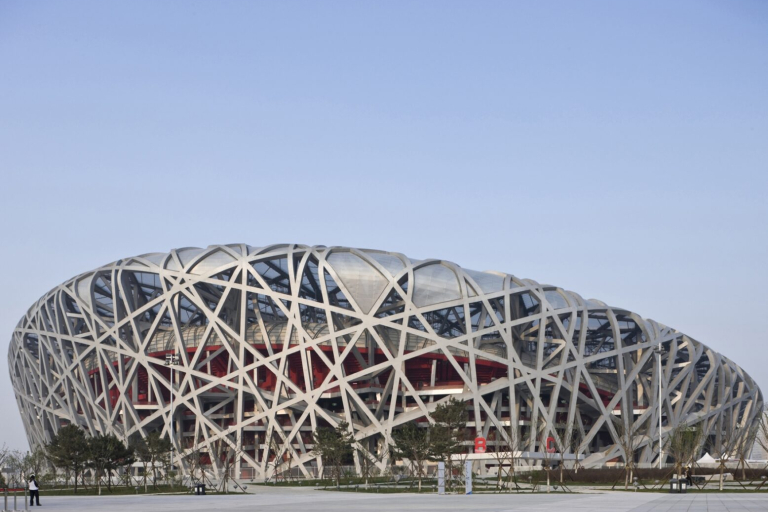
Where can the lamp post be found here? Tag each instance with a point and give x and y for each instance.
(171, 360)
(658, 351)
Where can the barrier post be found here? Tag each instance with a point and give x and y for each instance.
(441, 478)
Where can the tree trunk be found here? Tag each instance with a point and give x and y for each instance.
(547, 481)
(721, 476)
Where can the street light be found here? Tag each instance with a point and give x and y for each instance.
(171, 360)
(659, 351)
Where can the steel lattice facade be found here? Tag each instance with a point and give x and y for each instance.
(275, 342)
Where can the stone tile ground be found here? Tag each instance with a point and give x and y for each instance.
(306, 500)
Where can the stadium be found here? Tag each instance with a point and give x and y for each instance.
(275, 342)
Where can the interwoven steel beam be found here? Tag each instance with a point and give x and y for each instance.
(277, 341)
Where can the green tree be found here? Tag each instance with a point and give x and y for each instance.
(448, 433)
(106, 454)
(412, 442)
(334, 446)
(122, 457)
(69, 450)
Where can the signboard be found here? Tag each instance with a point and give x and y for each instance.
(479, 445)
(468, 477)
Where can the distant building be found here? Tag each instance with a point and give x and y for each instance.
(275, 342)
(758, 450)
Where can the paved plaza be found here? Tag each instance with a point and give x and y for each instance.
(306, 500)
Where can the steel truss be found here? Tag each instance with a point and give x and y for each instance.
(275, 342)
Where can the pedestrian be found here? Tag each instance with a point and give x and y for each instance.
(34, 491)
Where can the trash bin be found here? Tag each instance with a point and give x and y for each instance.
(197, 489)
(683, 486)
(673, 486)
(202, 489)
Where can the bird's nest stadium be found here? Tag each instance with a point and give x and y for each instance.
(275, 342)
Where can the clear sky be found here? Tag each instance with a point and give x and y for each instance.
(617, 149)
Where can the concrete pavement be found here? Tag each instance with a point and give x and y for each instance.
(292, 499)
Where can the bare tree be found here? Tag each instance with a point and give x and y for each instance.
(230, 455)
(684, 444)
(547, 456)
(277, 457)
(507, 448)
(744, 445)
(502, 456)
(36, 460)
(721, 446)
(143, 455)
(628, 441)
(761, 439)
(159, 450)
(4, 453)
(568, 441)
(194, 463)
(16, 465)
(367, 464)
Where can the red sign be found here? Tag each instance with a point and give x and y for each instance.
(479, 445)
(551, 445)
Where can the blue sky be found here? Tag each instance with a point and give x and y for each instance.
(617, 149)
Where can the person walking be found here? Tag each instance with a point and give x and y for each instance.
(34, 492)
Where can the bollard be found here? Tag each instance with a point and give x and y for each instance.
(26, 498)
(14, 500)
(5, 494)
(673, 489)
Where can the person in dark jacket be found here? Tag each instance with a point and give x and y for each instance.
(34, 491)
